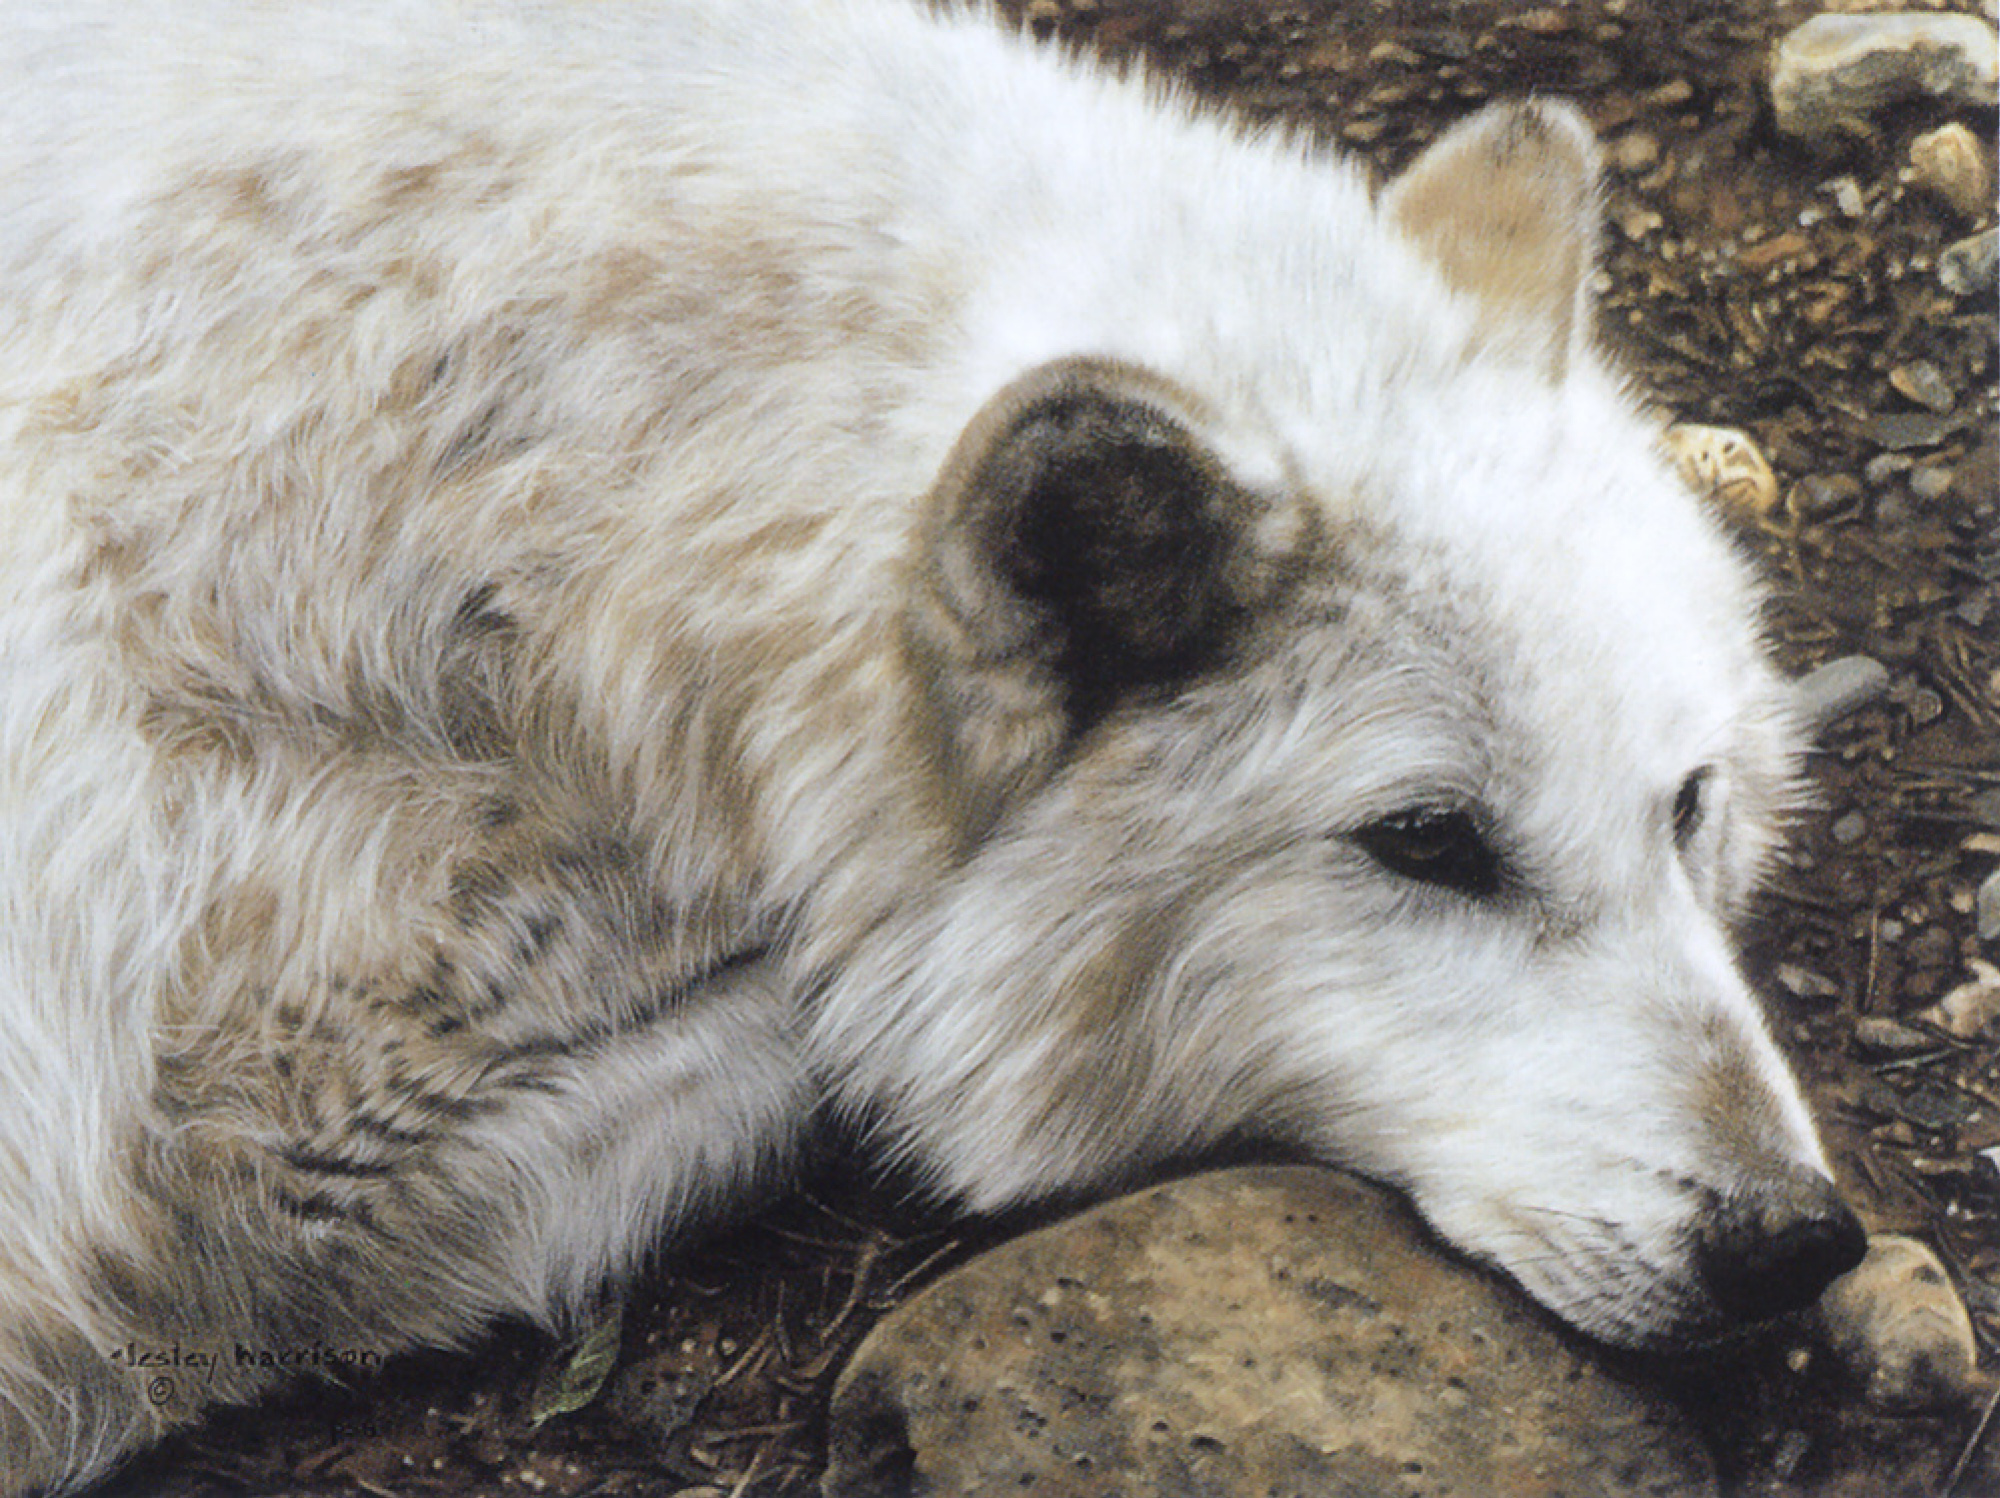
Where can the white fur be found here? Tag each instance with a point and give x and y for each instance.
(471, 776)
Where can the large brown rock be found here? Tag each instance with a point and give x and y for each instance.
(1266, 1332)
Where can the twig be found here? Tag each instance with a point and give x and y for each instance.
(759, 1349)
(903, 1282)
(1867, 1004)
(1972, 1444)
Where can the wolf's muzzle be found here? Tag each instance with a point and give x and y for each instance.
(1763, 1254)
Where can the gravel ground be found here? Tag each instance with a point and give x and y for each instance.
(1749, 283)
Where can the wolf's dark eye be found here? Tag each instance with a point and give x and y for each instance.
(1434, 845)
(1688, 806)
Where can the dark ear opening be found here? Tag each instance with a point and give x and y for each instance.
(1111, 524)
(1087, 544)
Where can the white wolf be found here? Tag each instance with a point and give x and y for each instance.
(579, 581)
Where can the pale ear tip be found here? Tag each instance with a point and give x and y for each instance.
(1558, 127)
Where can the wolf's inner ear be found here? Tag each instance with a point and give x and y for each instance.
(1505, 204)
(1087, 540)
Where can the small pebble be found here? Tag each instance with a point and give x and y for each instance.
(1880, 1036)
(1897, 1323)
(1885, 466)
(1792, 1448)
(1897, 430)
(1841, 687)
(1987, 903)
(1922, 703)
(1804, 983)
(1847, 197)
(1922, 381)
(1951, 162)
(1933, 947)
(1971, 1007)
(1635, 153)
(1985, 808)
(1968, 267)
(1819, 495)
(1850, 829)
(1931, 482)
(1635, 221)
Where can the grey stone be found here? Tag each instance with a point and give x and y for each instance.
(1931, 482)
(1988, 907)
(1885, 468)
(1822, 494)
(1828, 693)
(1923, 382)
(1922, 703)
(1804, 983)
(1971, 265)
(1280, 1331)
(1879, 1035)
(1985, 807)
(1899, 430)
(1971, 1007)
(1830, 74)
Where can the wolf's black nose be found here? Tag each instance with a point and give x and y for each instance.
(1765, 1254)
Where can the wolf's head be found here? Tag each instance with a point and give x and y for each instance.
(1381, 771)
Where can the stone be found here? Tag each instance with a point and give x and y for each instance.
(1899, 430)
(1843, 686)
(1899, 1326)
(1829, 75)
(1634, 153)
(1922, 703)
(1879, 1035)
(1987, 905)
(1725, 465)
(1886, 468)
(1804, 983)
(1985, 807)
(1819, 495)
(1276, 1331)
(1970, 1007)
(1635, 220)
(1923, 382)
(1951, 162)
(1847, 197)
(1968, 267)
(1931, 482)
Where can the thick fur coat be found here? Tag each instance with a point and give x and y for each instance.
(578, 582)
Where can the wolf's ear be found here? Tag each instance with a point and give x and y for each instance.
(1505, 204)
(1086, 541)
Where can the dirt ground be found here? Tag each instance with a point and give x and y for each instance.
(1749, 283)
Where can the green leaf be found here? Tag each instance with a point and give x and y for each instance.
(570, 1382)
